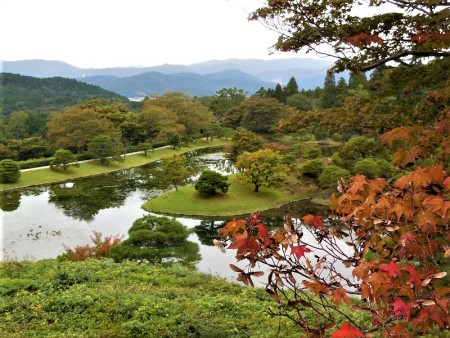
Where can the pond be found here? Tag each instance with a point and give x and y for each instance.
(41, 222)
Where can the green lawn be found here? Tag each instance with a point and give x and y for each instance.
(240, 199)
(47, 175)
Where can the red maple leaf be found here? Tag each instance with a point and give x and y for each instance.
(402, 308)
(392, 269)
(299, 250)
(414, 277)
(263, 234)
(347, 331)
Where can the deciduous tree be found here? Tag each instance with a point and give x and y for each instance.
(102, 147)
(263, 167)
(403, 31)
(175, 170)
(241, 141)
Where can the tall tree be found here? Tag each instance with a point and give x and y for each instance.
(261, 114)
(76, 126)
(291, 87)
(102, 147)
(328, 97)
(175, 170)
(243, 140)
(225, 99)
(192, 114)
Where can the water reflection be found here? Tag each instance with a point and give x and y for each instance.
(10, 200)
(83, 199)
(39, 222)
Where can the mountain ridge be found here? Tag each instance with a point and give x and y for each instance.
(254, 74)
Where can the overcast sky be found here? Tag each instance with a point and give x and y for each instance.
(108, 33)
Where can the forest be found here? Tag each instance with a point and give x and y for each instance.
(387, 182)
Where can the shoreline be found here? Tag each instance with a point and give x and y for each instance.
(92, 168)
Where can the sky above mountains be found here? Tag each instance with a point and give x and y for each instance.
(110, 33)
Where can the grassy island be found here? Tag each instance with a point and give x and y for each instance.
(240, 200)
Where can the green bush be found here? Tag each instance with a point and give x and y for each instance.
(210, 181)
(157, 240)
(337, 137)
(331, 174)
(35, 163)
(9, 171)
(312, 168)
(313, 153)
(373, 168)
(367, 167)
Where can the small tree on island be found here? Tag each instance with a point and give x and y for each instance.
(264, 167)
(210, 181)
(64, 158)
(9, 171)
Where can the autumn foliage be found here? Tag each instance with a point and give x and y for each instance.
(100, 248)
(386, 243)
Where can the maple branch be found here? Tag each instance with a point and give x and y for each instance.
(398, 56)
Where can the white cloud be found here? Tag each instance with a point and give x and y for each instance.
(108, 33)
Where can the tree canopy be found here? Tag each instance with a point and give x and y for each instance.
(403, 31)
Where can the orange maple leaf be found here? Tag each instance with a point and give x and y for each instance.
(347, 331)
(233, 227)
(315, 221)
(339, 295)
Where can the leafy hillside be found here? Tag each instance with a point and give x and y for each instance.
(29, 94)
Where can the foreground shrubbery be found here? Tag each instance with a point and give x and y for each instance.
(104, 299)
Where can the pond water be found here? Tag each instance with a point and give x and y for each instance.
(41, 222)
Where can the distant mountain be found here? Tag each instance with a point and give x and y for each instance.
(308, 72)
(154, 83)
(31, 94)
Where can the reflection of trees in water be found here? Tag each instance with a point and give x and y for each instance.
(85, 198)
(208, 230)
(10, 200)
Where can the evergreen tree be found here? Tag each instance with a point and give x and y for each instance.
(291, 88)
(279, 94)
(328, 97)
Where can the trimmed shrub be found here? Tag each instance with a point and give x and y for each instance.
(210, 181)
(312, 168)
(373, 168)
(331, 174)
(367, 167)
(157, 240)
(9, 171)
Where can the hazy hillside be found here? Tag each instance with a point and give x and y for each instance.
(308, 72)
(194, 84)
(30, 94)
